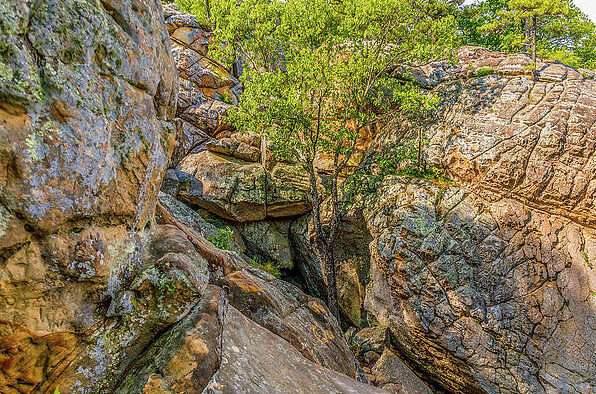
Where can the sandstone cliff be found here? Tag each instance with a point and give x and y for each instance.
(487, 284)
(484, 283)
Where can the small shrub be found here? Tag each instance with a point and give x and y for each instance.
(484, 71)
(223, 238)
(431, 174)
(586, 258)
(268, 267)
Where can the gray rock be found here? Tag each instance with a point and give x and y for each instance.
(396, 377)
(482, 295)
(256, 361)
(269, 240)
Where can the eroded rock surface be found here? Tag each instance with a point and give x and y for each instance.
(488, 285)
(207, 89)
(243, 191)
(86, 93)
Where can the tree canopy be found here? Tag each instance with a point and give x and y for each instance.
(562, 31)
(316, 72)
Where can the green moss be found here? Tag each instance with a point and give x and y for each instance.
(587, 261)
(6, 72)
(484, 71)
(35, 140)
(267, 266)
(223, 238)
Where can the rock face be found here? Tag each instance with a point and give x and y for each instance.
(206, 90)
(82, 118)
(86, 93)
(353, 259)
(488, 286)
(244, 191)
(270, 241)
(96, 296)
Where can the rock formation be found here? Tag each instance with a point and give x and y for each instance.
(97, 294)
(480, 284)
(487, 285)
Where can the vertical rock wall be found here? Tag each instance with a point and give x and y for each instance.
(87, 94)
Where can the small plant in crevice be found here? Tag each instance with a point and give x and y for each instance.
(484, 71)
(222, 239)
(267, 266)
(586, 258)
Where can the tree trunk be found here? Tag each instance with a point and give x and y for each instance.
(534, 27)
(328, 260)
(419, 158)
(208, 10)
(323, 248)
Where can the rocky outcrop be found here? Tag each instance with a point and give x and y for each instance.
(207, 89)
(487, 285)
(97, 294)
(86, 93)
(244, 191)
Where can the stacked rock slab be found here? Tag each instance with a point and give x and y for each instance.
(488, 284)
(206, 87)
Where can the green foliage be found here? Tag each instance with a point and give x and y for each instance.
(484, 71)
(403, 160)
(400, 159)
(56, 390)
(586, 258)
(563, 32)
(223, 238)
(316, 71)
(267, 266)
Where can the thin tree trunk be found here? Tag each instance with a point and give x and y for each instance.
(328, 259)
(323, 248)
(419, 158)
(208, 10)
(534, 27)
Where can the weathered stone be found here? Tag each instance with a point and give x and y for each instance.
(189, 139)
(370, 339)
(242, 191)
(269, 240)
(514, 135)
(91, 323)
(255, 360)
(184, 358)
(284, 310)
(352, 254)
(245, 148)
(206, 87)
(483, 295)
(394, 376)
(87, 121)
(195, 221)
(87, 91)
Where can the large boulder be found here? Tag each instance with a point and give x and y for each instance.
(487, 284)
(286, 311)
(244, 191)
(87, 90)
